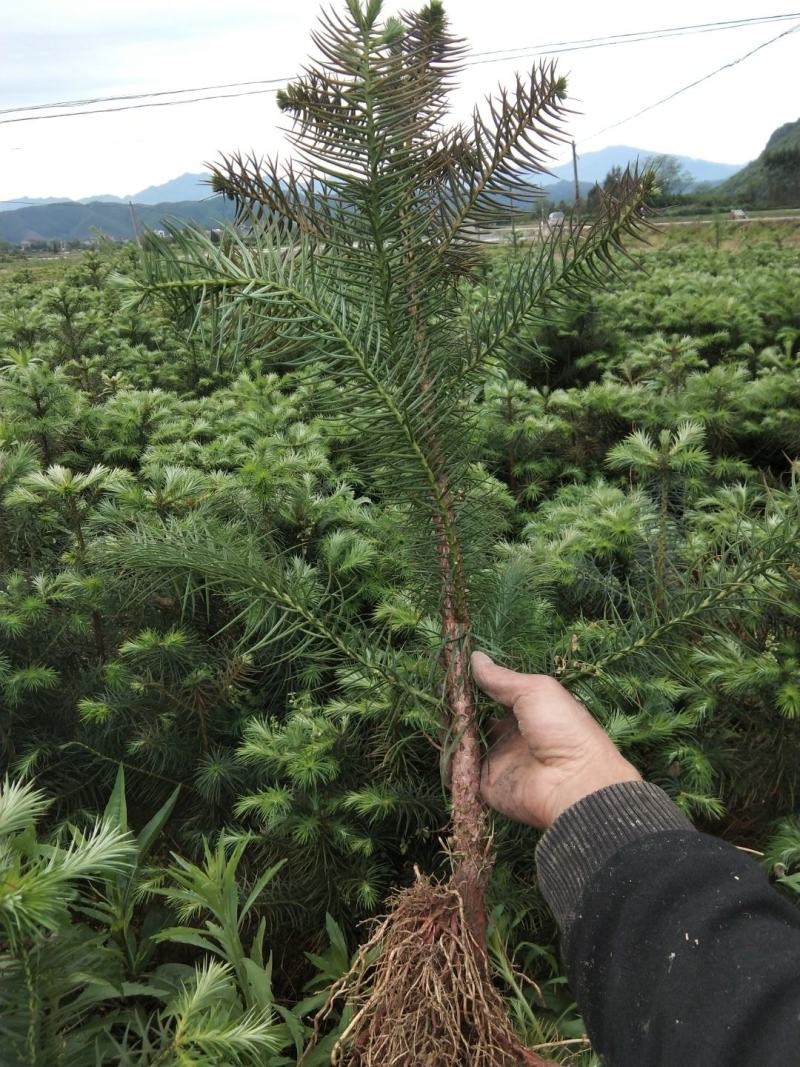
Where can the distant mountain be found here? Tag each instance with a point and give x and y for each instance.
(564, 190)
(187, 197)
(102, 199)
(176, 190)
(80, 222)
(771, 180)
(31, 201)
(593, 166)
(186, 187)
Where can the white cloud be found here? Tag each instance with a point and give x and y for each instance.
(88, 48)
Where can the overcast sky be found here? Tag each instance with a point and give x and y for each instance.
(56, 50)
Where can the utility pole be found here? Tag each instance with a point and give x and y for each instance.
(577, 185)
(134, 226)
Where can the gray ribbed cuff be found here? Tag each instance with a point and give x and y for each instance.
(590, 831)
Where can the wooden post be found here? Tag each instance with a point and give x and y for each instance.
(577, 184)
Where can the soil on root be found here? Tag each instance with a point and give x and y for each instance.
(421, 992)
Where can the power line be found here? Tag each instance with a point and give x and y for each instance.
(553, 48)
(139, 96)
(502, 53)
(637, 37)
(136, 107)
(691, 85)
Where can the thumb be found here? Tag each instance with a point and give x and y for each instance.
(499, 683)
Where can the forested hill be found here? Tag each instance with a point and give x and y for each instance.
(773, 179)
(80, 222)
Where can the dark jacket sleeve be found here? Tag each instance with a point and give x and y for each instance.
(678, 950)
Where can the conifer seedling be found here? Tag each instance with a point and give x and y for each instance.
(355, 258)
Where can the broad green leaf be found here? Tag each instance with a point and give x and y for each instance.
(156, 824)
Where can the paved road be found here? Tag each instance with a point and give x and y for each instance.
(531, 233)
(710, 222)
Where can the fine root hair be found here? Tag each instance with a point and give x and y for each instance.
(421, 992)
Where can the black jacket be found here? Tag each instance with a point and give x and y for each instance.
(678, 950)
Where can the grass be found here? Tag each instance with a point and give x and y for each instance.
(722, 233)
(44, 268)
(727, 234)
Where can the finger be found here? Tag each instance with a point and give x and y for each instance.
(501, 684)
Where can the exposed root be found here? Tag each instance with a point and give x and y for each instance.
(421, 992)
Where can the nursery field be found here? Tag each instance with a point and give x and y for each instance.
(176, 517)
(264, 490)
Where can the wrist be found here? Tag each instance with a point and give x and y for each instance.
(589, 779)
(590, 832)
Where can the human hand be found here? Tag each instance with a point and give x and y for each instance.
(548, 753)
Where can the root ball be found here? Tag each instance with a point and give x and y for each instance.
(422, 994)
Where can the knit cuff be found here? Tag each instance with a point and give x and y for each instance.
(589, 832)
